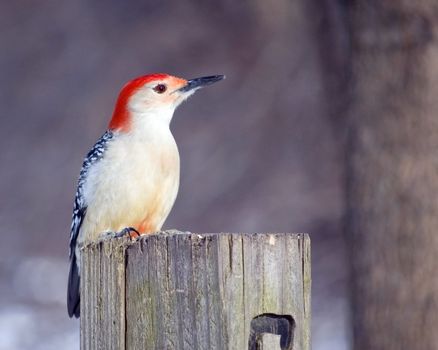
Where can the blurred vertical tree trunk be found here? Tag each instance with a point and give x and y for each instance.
(380, 60)
(392, 173)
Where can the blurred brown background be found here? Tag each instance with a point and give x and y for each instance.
(264, 150)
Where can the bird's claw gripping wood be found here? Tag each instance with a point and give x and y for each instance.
(130, 232)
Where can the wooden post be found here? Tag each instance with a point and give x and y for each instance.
(176, 290)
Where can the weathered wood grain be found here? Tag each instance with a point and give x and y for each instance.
(176, 290)
(103, 295)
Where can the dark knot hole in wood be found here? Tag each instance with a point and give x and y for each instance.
(282, 325)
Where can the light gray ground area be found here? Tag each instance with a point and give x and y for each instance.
(258, 150)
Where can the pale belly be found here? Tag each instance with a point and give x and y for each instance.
(131, 188)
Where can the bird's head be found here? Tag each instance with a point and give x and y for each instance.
(154, 96)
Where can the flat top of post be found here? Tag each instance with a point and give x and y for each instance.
(127, 241)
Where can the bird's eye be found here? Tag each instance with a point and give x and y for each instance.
(160, 88)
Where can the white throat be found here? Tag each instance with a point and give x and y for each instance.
(151, 123)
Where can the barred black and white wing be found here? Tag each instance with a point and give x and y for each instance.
(79, 212)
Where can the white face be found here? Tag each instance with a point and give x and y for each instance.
(159, 98)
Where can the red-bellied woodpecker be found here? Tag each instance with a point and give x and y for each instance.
(129, 180)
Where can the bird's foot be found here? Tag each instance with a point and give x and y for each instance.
(131, 232)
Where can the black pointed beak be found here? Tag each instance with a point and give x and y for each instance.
(194, 84)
